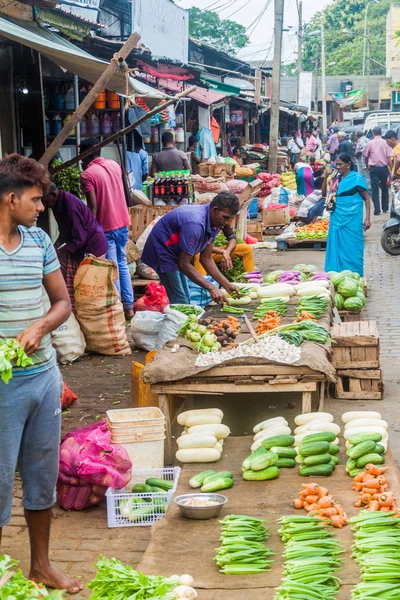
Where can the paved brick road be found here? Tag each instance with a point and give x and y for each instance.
(78, 538)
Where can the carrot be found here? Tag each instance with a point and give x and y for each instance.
(365, 498)
(368, 490)
(328, 512)
(325, 501)
(386, 499)
(374, 505)
(323, 492)
(306, 506)
(374, 470)
(312, 507)
(337, 521)
(311, 499)
(359, 477)
(311, 488)
(374, 483)
(384, 509)
(298, 503)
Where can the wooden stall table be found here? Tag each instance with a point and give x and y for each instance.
(251, 379)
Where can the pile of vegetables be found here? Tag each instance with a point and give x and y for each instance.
(311, 559)
(278, 305)
(350, 290)
(317, 501)
(317, 287)
(149, 498)
(313, 231)
(314, 305)
(260, 465)
(373, 490)
(269, 321)
(209, 481)
(292, 277)
(117, 581)
(11, 354)
(273, 277)
(317, 454)
(187, 309)
(14, 586)
(366, 435)
(309, 270)
(253, 276)
(202, 438)
(315, 422)
(202, 339)
(271, 428)
(376, 550)
(242, 550)
(235, 274)
(298, 333)
(226, 330)
(275, 290)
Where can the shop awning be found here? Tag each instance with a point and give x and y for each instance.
(70, 57)
(206, 97)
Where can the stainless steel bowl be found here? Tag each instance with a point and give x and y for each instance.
(201, 512)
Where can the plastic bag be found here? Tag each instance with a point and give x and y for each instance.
(142, 239)
(198, 295)
(68, 339)
(155, 298)
(67, 397)
(174, 319)
(145, 327)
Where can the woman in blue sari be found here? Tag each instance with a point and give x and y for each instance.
(346, 192)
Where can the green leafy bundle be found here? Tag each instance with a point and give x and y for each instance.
(11, 352)
(68, 179)
(17, 587)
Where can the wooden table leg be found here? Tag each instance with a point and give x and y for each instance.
(322, 387)
(306, 402)
(163, 403)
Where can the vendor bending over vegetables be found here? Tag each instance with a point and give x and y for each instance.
(226, 247)
(182, 233)
(30, 412)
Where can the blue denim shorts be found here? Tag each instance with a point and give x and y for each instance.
(30, 427)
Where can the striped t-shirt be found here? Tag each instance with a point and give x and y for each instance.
(21, 303)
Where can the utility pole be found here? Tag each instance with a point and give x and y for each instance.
(299, 47)
(276, 85)
(323, 77)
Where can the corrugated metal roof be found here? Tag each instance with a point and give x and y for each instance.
(206, 97)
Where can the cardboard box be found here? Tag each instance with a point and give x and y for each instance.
(276, 217)
(255, 230)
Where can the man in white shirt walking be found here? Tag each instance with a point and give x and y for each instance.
(295, 147)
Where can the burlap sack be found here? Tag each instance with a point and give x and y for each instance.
(98, 307)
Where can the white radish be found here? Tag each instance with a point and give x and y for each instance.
(348, 433)
(198, 455)
(266, 423)
(200, 411)
(186, 580)
(310, 426)
(204, 419)
(324, 426)
(279, 430)
(255, 445)
(367, 422)
(312, 284)
(360, 414)
(185, 591)
(219, 431)
(312, 416)
(218, 446)
(196, 441)
(311, 291)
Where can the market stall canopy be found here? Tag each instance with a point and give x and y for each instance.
(71, 58)
(206, 97)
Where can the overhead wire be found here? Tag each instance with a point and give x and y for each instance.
(227, 5)
(253, 26)
(237, 10)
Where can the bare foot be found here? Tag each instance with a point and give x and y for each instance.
(53, 579)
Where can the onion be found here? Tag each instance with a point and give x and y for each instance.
(186, 580)
(185, 591)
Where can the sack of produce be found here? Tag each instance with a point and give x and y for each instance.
(68, 339)
(98, 307)
(132, 252)
(155, 298)
(145, 272)
(236, 186)
(145, 327)
(174, 319)
(67, 397)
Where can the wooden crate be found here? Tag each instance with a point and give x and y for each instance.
(349, 316)
(359, 384)
(255, 229)
(141, 216)
(204, 169)
(357, 345)
(222, 169)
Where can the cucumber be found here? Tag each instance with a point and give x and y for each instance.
(355, 472)
(317, 459)
(218, 475)
(324, 436)
(351, 464)
(333, 464)
(374, 458)
(268, 473)
(314, 448)
(161, 483)
(379, 449)
(333, 449)
(278, 440)
(283, 452)
(357, 438)
(299, 459)
(218, 483)
(334, 459)
(263, 461)
(286, 463)
(247, 461)
(197, 480)
(316, 470)
(360, 449)
(157, 490)
(142, 488)
(137, 514)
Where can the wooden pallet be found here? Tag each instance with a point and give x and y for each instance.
(274, 229)
(359, 384)
(141, 216)
(306, 244)
(255, 229)
(349, 316)
(356, 345)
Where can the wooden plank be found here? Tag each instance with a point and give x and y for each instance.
(313, 378)
(276, 381)
(361, 373)
(354, 385)
(372, 354)
(366, 385)
(265, 369)
(180, 387)
(365, 364)
(306, 402)
(359, 396)
(355, 341)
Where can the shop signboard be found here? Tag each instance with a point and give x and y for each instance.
(164, 28)
(237, 117)
(305, 89)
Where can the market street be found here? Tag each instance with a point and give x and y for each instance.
(79, 537)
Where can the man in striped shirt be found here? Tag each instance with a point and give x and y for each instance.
(30, 413)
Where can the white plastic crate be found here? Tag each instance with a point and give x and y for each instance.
(157, 499)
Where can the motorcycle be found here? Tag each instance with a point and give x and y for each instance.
(390, 237)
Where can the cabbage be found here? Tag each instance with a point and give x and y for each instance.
(339, 301)
(348, 287)
(332, 274)
(303, 277)
(300, 267)
(311, 268)
(337, 279)
(273, 276)
(355, 303)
